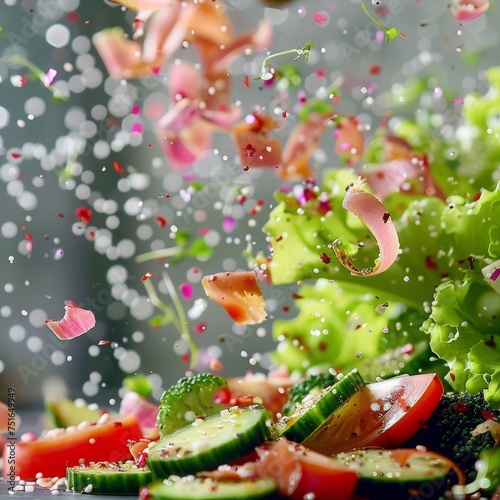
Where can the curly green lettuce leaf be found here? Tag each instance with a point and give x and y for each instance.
(464, 328)
(334, 325)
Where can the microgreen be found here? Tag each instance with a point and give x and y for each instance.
(37, 73)
(175, 315)
(267, 71)
(390, 33)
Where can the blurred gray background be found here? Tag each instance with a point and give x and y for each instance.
(56, 157)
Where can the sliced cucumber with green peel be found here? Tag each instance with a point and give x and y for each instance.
(108, 478)
(203, 488)
(399, 473)
(312, 412)
(206, 444)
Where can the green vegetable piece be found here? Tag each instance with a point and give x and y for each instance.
(108, 478)
(206, 444)
(189, 398)
(203, 488)
(138, 383)
(66, 413)
(401, 473)
(314, 410)
(312, 385)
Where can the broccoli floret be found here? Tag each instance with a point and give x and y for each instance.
(448, 430)
(311, 385)
(189, 398)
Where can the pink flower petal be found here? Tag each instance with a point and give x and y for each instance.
(180, 116)
(184, 80)
(222, 118)
(378, 221)
(49, 77)
(300, 146)
(121, 56)
(76, 322)
(166, 30)
(350, 140)
(467, 10)
(259, 39)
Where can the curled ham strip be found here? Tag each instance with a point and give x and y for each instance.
(239, 294)
(467, 10)
(376, 218)
(76, 322)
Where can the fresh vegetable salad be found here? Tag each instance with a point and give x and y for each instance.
(375, 267)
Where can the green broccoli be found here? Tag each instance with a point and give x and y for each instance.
(311, 385)
(190, 398)
(448, 430)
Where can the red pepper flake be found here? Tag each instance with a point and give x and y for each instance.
(84, 214)
(491, 342)
(15, 155)
(495, 274)
(200, 327)
(322, 346)
(246, 168)
(215, 365)
(286, 308)
(117, 424)
(61, 216)
(246, 81)
(241, 199)
(284, 115)
(242, 401)
(375, 69)
(279, 238)
(118, 167)
(325, 258)
(29, 237)
(477, 196)
(487, 415)
(185, 358)
(162, 222)
(146, 276)
(296, 296)
(320, 73)
(103, 342)
(460, 407)
(429, 263)
(386, 217)
(249, 150)
(452, 376)
(73, 17)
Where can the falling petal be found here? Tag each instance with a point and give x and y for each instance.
(184, 81)
(350, 140)
(379, 222)
(49, 77)
(76, 322)
(134, 404)
(239, 294)
(121, 56)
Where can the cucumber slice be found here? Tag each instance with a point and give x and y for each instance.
(197, 488)
(206, 444)
(312, 413)
(108, 478)
(399, 473)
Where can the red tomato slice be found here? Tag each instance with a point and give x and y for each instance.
(51, 455)
(384, 414)
(299, 471)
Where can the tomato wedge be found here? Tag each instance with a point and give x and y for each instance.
(299, 471)
(384, 414)
(50, 455)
